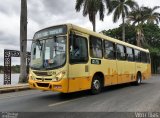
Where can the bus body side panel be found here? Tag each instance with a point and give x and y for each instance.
(138, 68)
(78, 78)
(110, 72)
(129, 72)
(146, 71)
(78, 74)
(148, 75)
(107, 68)
(120, 68)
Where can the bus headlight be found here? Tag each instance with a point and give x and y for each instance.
(31, 77)
(59, 76)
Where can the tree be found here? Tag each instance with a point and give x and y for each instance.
(120, 8)
(151, 15)
(137, 17)
(23, 41)
(117, 33)
(152, 35)
(140, 15)
(91, 7)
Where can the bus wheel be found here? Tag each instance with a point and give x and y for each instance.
(139, 79)
(96, 85)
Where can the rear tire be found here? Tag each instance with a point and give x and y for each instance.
(96, 86)
(139, 79)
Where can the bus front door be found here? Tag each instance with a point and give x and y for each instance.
(79, 65)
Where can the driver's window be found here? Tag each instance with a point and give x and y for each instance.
(36, 52)
(78, 49)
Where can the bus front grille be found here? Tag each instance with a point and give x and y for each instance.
(42, 73)
(44, 79)
(43, 84)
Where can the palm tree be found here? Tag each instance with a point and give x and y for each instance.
(151, 15)
(120, 8)
(91, 7)
(137, 17)
(23, 41)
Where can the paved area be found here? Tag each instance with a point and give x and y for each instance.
(121, 98)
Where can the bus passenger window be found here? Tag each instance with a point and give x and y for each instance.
(109, 50)
(95, 47)
(78, 50)
(143, 57)
(130, 54)
(120, 52)
(137, 55)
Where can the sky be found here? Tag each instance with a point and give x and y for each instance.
(45, 13)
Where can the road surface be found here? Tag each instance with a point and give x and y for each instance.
(121, 98)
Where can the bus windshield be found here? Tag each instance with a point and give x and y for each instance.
(48, 53)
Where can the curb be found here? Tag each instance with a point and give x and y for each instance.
(15, 88)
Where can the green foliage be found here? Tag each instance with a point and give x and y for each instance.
(14, 69)
(120, 8)
(91, 8)
(152, 35)
(141, 15)
(151, 15)
(117, 33)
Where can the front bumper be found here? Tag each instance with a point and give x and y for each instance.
(60, 86)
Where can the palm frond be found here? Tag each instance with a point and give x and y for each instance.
(156, 7)
(79, 4)
(131, 3)
(126, 10)
(116, 14)
(108, 3)
(85, 9)
(101, 10)
(113, 5)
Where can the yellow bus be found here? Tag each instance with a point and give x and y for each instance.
(67, 58)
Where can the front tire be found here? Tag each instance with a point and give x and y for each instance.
(96, 85)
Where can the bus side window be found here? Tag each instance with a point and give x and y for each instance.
(130, 54)
(96, 47)
(109, 50)
(143, 57)
(120, 49)
(78, 49)
(137, 55)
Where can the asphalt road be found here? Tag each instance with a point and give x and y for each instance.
(121, 98)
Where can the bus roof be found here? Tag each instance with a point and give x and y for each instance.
(89, 32)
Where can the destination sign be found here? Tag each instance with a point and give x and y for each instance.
(51, 32)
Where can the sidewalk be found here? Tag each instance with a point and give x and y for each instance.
(13, 88)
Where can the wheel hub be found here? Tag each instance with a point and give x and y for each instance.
(96, 84)
(139, 80)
